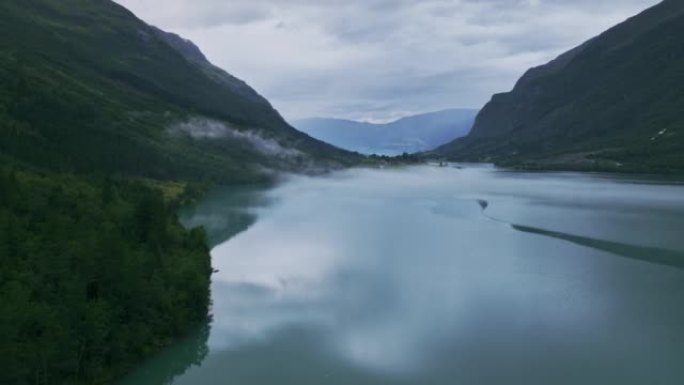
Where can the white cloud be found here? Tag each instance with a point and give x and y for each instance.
(378, 59)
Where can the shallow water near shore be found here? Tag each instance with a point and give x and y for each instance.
(429, 275)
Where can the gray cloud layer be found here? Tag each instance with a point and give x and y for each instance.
(380, 59)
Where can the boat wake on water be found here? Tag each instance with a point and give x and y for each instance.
(647, 254)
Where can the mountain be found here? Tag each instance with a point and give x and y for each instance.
(107, 125)
(613, 103)
(85, 86)
(411, 134)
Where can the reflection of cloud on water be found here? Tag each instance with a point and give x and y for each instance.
(396, 268)
(263, 286)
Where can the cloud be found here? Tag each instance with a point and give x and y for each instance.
(380, 59)
(203, 128)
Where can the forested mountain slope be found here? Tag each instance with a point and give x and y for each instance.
(616, 102)
(106, 125)
(86, 86)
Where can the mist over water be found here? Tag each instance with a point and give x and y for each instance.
(435, 275)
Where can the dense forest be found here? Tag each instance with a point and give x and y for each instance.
(95, 274)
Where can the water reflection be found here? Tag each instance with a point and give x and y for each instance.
(174, 361)
(377, 277)
(223, 213)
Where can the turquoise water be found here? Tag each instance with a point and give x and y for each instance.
(432, 275)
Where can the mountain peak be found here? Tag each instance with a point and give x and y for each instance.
(406, 135)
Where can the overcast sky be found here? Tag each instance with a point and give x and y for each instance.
(382, 59)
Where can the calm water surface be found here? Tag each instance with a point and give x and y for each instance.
(430, 276)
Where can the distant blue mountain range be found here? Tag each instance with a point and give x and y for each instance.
(411, 134)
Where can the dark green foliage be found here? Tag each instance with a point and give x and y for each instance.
(614, 103)
(94, 276)
(96, 273)
(399, 160)
(85, 86)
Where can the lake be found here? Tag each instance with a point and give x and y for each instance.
(430, 276)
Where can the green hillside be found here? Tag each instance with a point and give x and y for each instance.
(86, 86)
(106, 126)
(614, 103)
